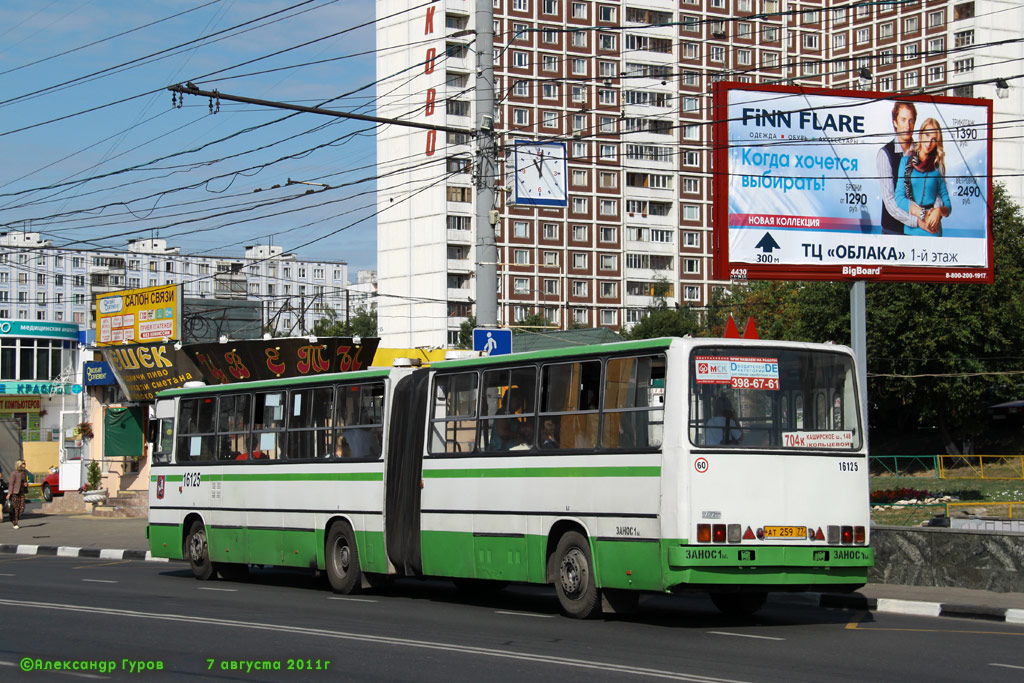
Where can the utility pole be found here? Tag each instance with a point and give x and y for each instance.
(486, 209)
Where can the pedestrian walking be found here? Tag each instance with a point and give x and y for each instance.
(17, 489)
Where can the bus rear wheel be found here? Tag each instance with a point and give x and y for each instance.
(739, 604)
(342, 559)
(197, 552)
(575, 583)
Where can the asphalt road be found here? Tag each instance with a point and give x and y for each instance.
(71, 610)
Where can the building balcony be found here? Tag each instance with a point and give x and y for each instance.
(460, 236)
(460, 265)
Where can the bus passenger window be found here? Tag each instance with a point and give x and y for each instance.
(358, 417)
(570, 395)
(453, 420)
(268, 425)
(634, 402)
(508, 397)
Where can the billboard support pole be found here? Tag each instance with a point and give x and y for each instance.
(859, 342)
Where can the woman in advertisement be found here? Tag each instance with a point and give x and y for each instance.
(923, 178)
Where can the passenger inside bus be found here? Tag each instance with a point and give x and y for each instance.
(355, 441)
(722, 429)
(548, 435)
(506, 430)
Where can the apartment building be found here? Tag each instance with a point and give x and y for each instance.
(42, 282)
(627, 87)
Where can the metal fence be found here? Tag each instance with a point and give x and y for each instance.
(981, 466)
(903, 464)
(1001, 510)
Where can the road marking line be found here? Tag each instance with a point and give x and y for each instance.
(1008, 666)
(223, 590)
(524, 614)
(855, 624)
(376, 639)
(744, 635)
(7, 575)
(99, 581)
(940, 630)
(347, 599)
(103, 564)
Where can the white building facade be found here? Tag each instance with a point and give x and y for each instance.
(43, 282)
(627, 86)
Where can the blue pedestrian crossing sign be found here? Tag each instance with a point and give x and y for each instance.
(492, 342)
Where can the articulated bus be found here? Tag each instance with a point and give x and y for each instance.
(725, 466)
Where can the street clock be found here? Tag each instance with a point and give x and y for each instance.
(540, 173)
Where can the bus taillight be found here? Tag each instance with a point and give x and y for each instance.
(703, 533)
(718, 533)
(846, 535)
(734, 532)
(858, 535)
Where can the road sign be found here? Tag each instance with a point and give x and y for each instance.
(492, 342)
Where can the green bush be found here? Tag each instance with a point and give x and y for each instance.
(93, 476)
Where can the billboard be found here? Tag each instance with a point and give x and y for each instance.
(824, 184)
(133, 316)
(142, 370)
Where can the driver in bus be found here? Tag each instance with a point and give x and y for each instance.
(723, 428)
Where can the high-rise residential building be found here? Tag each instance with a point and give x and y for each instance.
(43, 282)
(627, 87)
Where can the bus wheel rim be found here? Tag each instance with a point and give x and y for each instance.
(573, 572)
(197, 548)
(343, 555)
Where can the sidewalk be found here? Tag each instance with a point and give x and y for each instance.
(75, 535)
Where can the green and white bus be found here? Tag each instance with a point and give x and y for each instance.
(732, 467)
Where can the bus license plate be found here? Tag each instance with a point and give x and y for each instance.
(794, 532)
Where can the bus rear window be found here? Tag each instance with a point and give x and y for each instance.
(772, 398)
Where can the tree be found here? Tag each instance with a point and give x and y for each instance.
(362, 324)
(532, 323)
(466, 332)
(939, 353)
(660, 320)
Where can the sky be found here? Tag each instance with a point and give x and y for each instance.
(137, 166)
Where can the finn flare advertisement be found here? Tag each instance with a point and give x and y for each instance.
(841, 185)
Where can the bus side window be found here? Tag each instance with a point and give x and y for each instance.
(453, 420)
(508, 398)
(633, 402)
(268, 428)
(570, 393)
(198, 440)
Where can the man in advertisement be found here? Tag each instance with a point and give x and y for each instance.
(904, 117)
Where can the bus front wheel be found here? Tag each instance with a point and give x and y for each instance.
(197, 552)
(739, 604)
(575, 583)
(343, 560)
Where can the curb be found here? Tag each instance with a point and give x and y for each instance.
(71, 551)
(920, 608)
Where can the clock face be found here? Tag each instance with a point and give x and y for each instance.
(540, 173)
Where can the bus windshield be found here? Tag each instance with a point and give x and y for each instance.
(772, 398)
